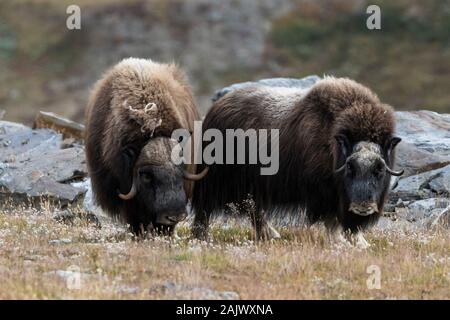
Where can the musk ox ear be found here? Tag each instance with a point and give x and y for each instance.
(391, 144)
(344, 145)
(394, 141)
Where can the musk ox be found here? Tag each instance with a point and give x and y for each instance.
(130, 117)
(336, 154)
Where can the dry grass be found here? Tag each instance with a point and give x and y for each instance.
(303, 265)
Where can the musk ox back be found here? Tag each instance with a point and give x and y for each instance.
(130, 117)
(336, 153)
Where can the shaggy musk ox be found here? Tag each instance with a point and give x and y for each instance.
(130, 118)
(336, 146)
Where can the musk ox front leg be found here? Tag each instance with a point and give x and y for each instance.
(335, 233)
(357, 239)
(201, 225)
(346, 237)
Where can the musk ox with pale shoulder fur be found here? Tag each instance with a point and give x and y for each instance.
(130, 117)
(336, 156)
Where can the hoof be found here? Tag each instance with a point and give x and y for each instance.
(200, 233)
(358, 240)
(268, 233)
(336, 237)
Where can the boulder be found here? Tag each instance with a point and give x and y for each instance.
(33, 167)
(422, 186)
(441, 219)
(425, 140)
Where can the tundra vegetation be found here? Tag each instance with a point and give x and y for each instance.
(38, 255)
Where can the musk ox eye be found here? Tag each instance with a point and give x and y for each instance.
(350, 168)
(145, 177)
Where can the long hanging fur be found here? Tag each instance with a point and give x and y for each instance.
(121, 113)
(308, 121)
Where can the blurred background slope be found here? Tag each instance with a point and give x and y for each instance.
(44, 66)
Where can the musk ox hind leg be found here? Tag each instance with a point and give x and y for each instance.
(263, 230)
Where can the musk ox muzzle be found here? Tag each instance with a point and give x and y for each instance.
(363, 208)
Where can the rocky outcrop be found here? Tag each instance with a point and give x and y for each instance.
(426, 141)
(36, 166)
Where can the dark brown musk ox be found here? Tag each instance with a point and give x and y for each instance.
(336, 154)
(130, 117)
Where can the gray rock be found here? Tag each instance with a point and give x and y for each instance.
(182, 291)
(428, 130)
(419, 210)
(128, 290)
(60, 241)
(441, 218)
(414, 160)
(426, 140)
(19, 143)
(424, 185)
(385, 223)
(33, 167)
(429, 204)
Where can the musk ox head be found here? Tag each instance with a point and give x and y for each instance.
(156, 184)
(365, 173)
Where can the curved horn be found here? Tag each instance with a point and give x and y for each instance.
(393, 172)
(195, 177)
(130, 194)
(340, 169)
